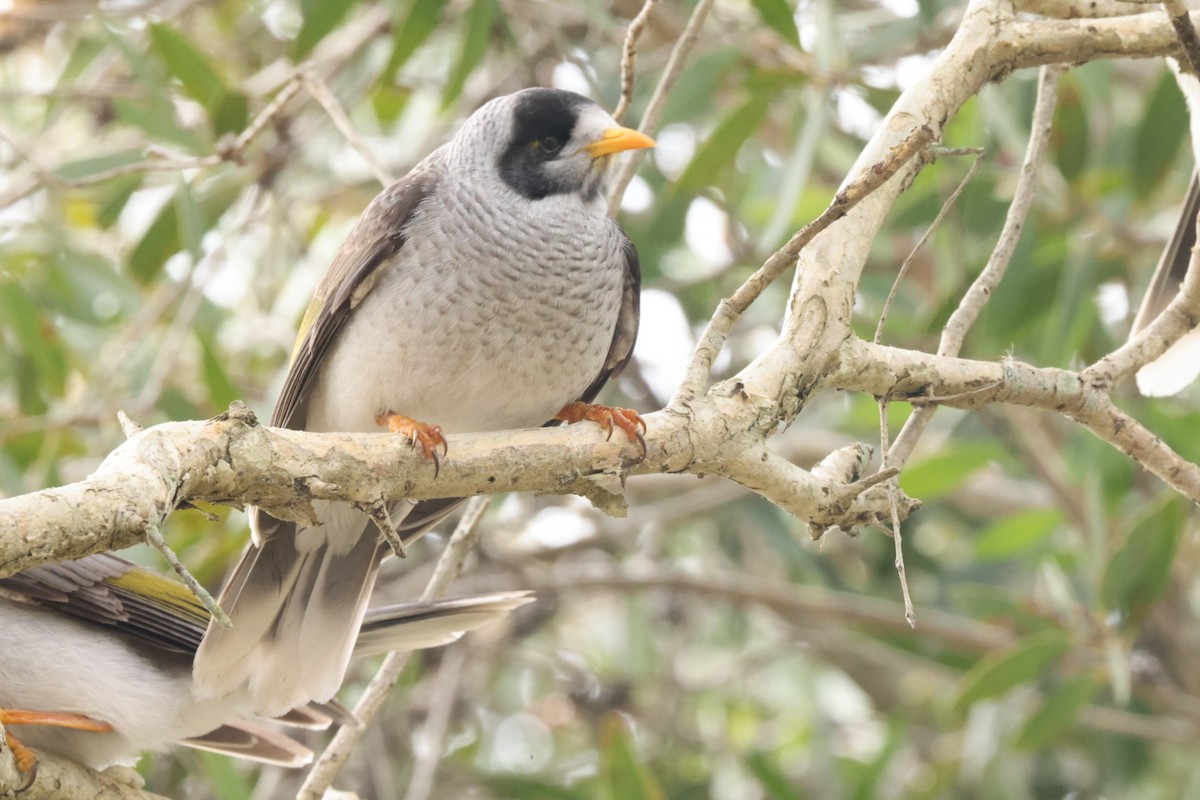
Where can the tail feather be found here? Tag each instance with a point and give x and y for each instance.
(295, 617)
(432, 623)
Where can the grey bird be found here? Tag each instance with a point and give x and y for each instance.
(488, 289)
(96, 657)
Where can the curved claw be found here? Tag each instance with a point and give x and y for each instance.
(419, 434)
(608, 417)
(26, 759)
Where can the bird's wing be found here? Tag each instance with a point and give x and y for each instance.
(1179, 366)
(377, 237)
(1173, 264)
(108, 590)
(431, 623)
(625, 333)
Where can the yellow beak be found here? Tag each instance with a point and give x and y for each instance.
(616, 140)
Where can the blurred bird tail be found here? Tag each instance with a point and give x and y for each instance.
(295, 619)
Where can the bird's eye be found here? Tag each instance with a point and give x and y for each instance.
(550, 144)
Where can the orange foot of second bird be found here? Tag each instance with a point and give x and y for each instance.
(26, 759)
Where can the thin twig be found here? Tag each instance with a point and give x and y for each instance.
(1181, 19)
(629, 57)
(320, 91)
(903, 271)
(730, 309)
(893, 487)
(227, 150)
(462, 542)
(427, 757)
(155, 539)
(989, 278)
(658, 100)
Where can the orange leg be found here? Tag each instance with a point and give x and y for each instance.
(429, 437)
(25, 758)
(609, 417)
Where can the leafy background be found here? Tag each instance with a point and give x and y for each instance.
(704, 646)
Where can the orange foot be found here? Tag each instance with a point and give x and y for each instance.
(609, 417)
(26, 759)
(429, 437)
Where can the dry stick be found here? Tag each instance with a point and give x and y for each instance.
(1177, 10)
(320, 91)
(230, 151)
(462, 542)
(993, 272)
(903, 271)
(731, 308)
(893, 488)
(445, 691)
(679, 54)
(629, 57)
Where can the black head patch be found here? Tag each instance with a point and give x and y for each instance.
(543, 120)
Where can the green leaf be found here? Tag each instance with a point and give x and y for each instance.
(1138, 572)
(41, 360)
(721, 147)
(1161, 131)
(320, 17)
(82, 168)
(477, 28)
(779, 15)
(771, 778)
(420, 21)
(1070, 136)
(231, 113)
(508, 786)
(1007, 537)
(998, 672)
(1058, 713)
(113, 197)
(622, 775)
(221, 390)
(163, 238)
(228, 109)
(188, 64)
(945, 472)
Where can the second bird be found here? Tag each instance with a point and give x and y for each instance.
(488, 289)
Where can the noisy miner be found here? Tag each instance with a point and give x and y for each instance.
(96, 665)
(488, 289)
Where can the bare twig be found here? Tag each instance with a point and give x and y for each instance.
(679, 55)
(1181, 19)
(320, 91)
(893, 487)
(989, 278)
(629, 57)
(731, 308)
(903, 271)
(155, 539)
(429, 755)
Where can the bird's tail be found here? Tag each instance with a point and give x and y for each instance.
(295, 619)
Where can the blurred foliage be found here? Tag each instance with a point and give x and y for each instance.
(704, 647)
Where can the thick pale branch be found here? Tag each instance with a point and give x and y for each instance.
(58, 778)
(232, 460)
(896, 374)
